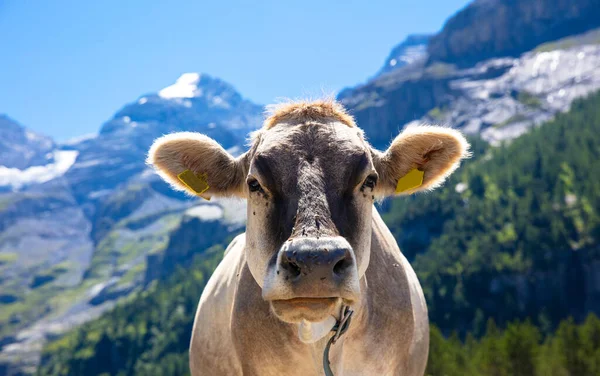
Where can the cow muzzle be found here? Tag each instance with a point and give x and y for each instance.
(311, 278)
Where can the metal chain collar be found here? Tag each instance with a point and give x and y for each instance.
(340, 327)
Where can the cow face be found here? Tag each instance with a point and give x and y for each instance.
(310, 179)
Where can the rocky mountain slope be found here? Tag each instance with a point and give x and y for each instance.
(499, 98)
(497, 67)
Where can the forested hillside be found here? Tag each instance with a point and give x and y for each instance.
(512, 236)
(519, 350)
(514, 233)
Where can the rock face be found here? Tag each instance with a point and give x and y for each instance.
(499, 98)
(533, 88)
(82, 222)
(493, 28)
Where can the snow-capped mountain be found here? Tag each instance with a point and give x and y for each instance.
(195, 102)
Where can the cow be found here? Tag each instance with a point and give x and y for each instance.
(317, 284)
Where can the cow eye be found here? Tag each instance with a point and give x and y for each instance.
(254, 185)
(370, 181)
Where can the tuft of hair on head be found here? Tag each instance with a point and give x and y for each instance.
(307, 110)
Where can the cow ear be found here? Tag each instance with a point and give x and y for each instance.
(420, 158)
(198, 165)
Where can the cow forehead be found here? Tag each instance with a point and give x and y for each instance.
(312, 139)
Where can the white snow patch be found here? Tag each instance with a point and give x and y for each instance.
(88, 163)
(142, 100)
(461, 187)
(186, 86)
(31, 136)
(148, 173)
(205, 212)
(95, 290)
(413, 53)
(570, 199)
(545, 61)
(78, 139)
(126, 119)
(100, 193)
(63, 160)
(236, 151)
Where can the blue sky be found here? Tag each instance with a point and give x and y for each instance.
(67, 66)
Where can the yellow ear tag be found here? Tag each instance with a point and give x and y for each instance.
(196, 183)
(412, 180)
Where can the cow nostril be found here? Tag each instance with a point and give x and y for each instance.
(294, 269)
(291, 266)
(340, 267)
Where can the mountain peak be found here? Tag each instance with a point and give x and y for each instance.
(198, 85)
(186, 86)
(195, 102)
(20, 147)
(8, 124)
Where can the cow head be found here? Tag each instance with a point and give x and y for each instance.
(310, 179)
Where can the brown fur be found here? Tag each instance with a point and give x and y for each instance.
(305, 111)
